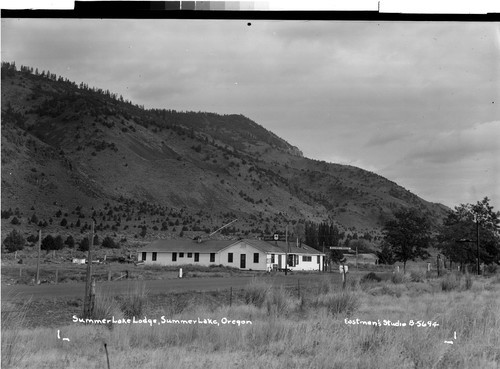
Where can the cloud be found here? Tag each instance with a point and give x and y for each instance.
(384, 138)
(395, 97)
(482, 140)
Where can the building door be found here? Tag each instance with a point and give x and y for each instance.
(279, 261)
(243, 261)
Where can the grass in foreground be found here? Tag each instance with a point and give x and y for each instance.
(288, 331)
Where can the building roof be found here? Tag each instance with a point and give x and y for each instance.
(186, 245)
(209, 246)
(298, 249)
(281, 247)
(263, 246)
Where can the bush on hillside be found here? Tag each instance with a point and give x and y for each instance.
(14, 241)
(109, 243)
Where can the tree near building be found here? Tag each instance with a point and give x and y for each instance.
(48, 243)
(385, 255)
(109, 243)
(408, 235)
(84, 244)
(70, 242)
(58, 243)
(14, 241)
(457, 238)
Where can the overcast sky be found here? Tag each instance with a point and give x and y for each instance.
(416, 102)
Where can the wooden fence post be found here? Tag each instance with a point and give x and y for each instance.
(57, 274)
(87, 298)
(107, 356)
(92, 298)
(38, 259)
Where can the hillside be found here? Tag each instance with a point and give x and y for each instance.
(75, 152)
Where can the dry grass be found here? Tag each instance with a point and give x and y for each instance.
(290, 333)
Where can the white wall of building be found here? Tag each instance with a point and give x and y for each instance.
(165, 258)
(306, 264)
(264, 260)
(241, 248)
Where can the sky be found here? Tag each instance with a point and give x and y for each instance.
(416, 102)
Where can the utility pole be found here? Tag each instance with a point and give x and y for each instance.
(88, 285)
(286, 254)
(477, 243)
(357, 256)
(38, 259)
(324, 257)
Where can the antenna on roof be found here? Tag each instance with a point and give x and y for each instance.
(224, 226)
(200, 238)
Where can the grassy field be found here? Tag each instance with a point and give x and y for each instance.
(68, 272)
(316, 326)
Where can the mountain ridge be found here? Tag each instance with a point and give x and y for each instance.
(66, 146)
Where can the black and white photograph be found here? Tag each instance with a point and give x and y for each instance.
(214, 192)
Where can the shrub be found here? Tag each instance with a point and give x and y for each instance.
(109, 243)
(48, 243)
(491, 269)
(256, 292)
(278, 302)
(468, 281)
(105, 307)
(84, 244)
(134, 301)
(338, 303)
(417, 276)
(15, 221)
(13, 347)
(32, 239)
(14, 241)
(450, 282)
(370, 277)
(398, 278)
(70, 242)
(58, 243)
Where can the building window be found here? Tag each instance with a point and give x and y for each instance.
(144, 256)
(319, 259)
(181, 254)
(272, 258)
(190, 254)
(196, 256)
(306, 258)
(154, 256)
(256, 257)
(212, 257)
(230, 257)
(174, 256)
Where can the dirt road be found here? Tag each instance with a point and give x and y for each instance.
(15, 292)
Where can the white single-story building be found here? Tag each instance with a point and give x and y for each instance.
(247, 254)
